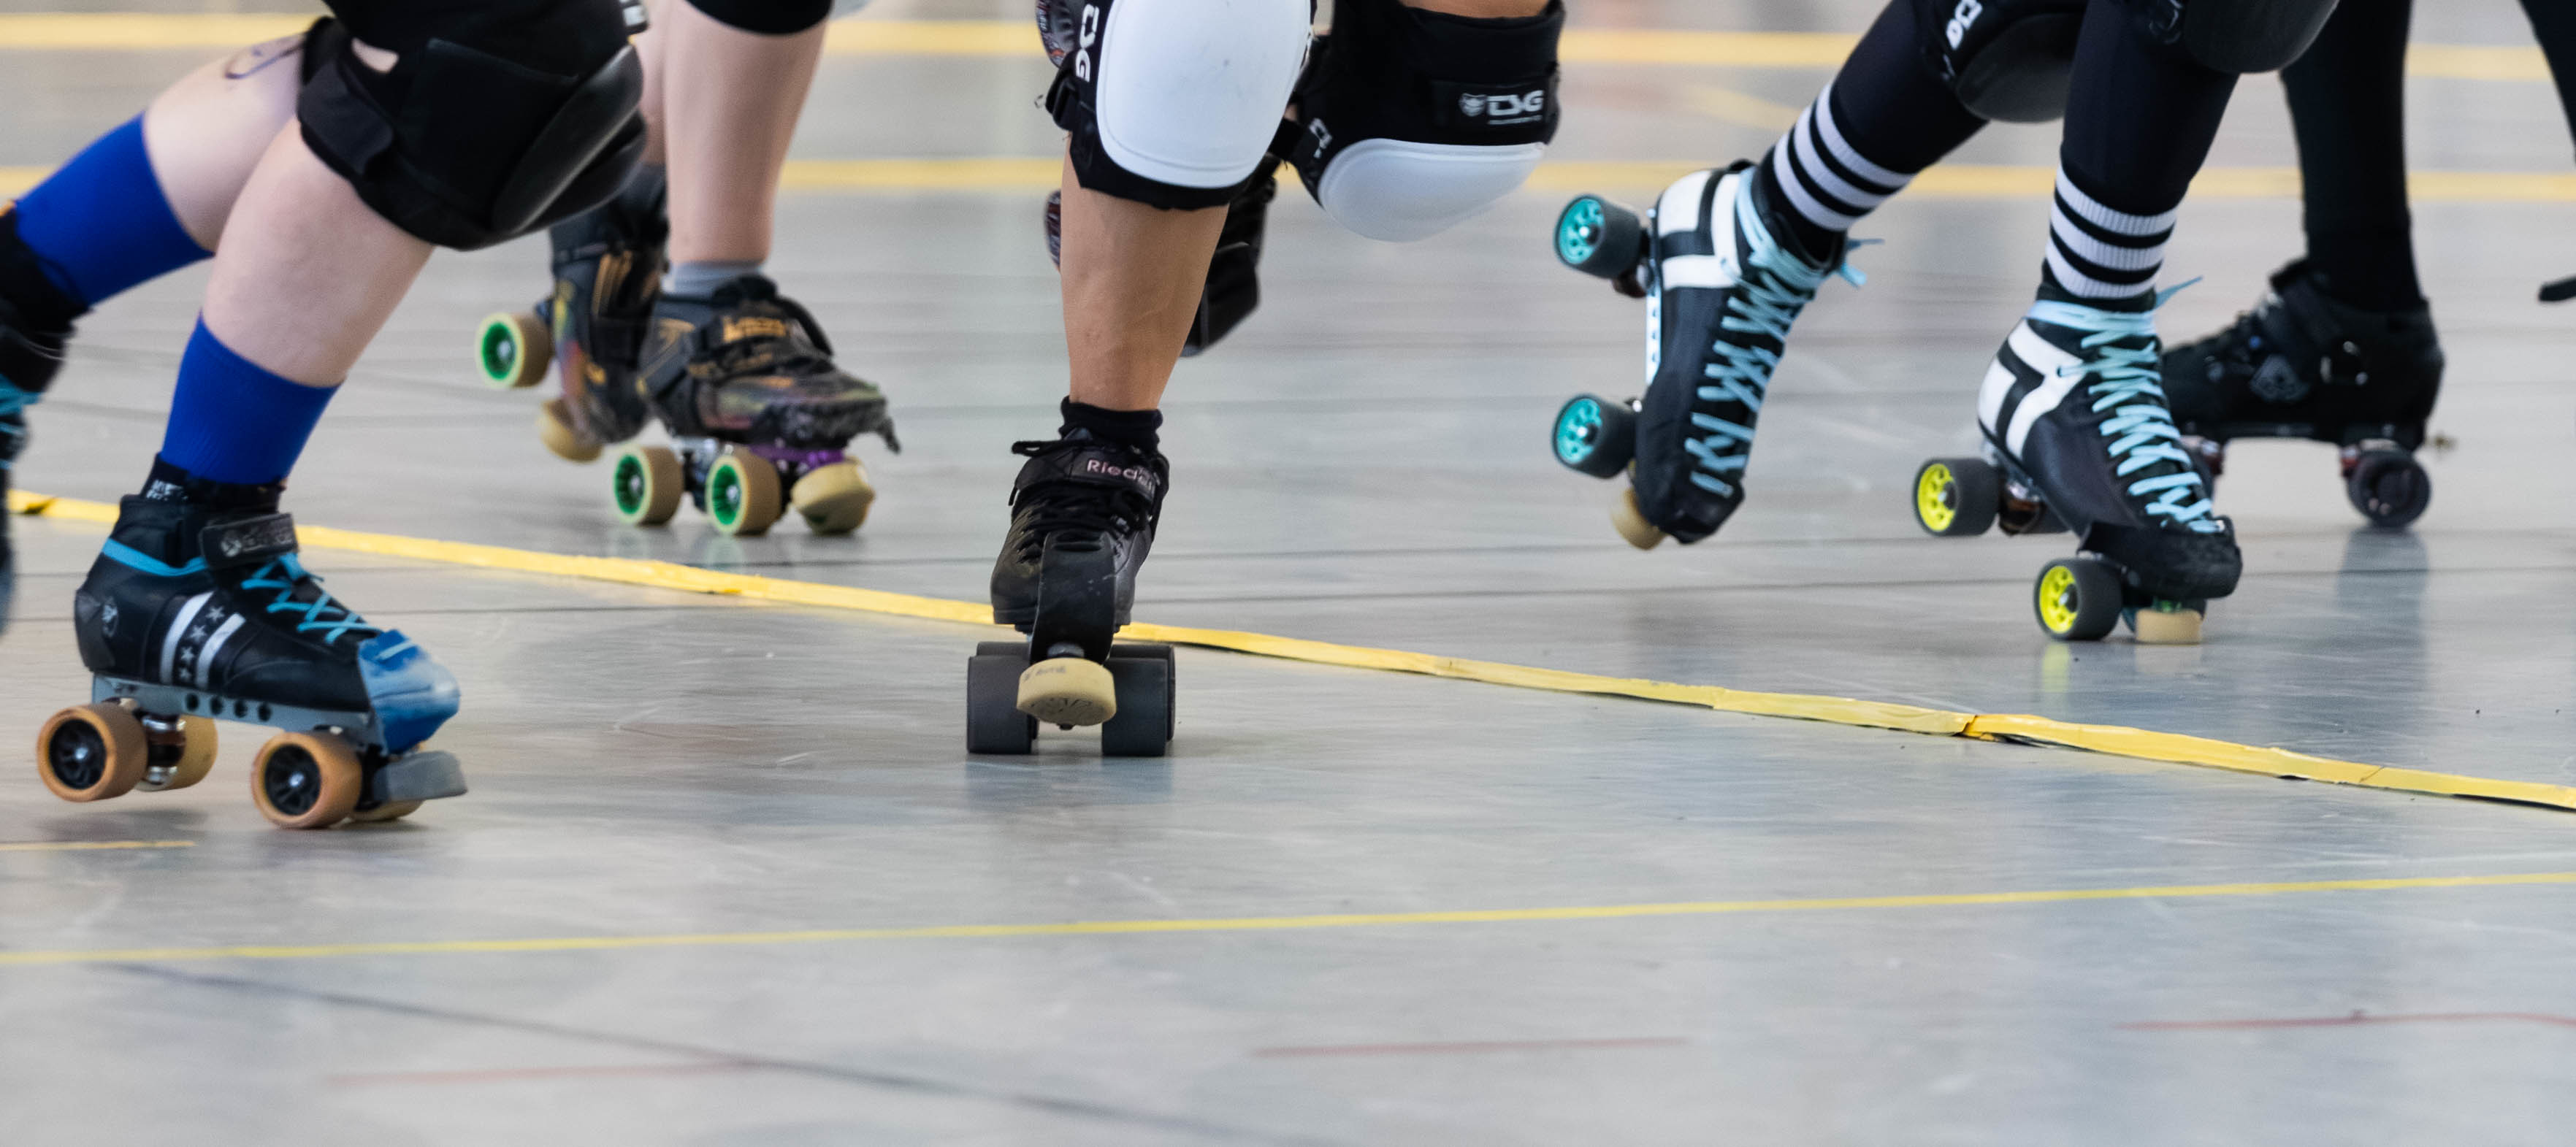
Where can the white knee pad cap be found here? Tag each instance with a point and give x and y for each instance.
(1400, 191)
(1190, 91)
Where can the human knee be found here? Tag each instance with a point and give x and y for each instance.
(1172, 103)
(2237, 35)
(1410, 121)
(2006, 60)
(496, 119)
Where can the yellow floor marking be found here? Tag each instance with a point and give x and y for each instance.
(92, 845)
(1253, 923)
(1727, 105)
(2116, 740)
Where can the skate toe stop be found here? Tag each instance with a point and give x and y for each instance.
(1068, 691)
(1632, 524)
(2160, 627)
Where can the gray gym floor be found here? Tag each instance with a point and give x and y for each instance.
(727, 877)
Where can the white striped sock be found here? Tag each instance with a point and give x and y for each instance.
(1828, 181)
(2100, 253)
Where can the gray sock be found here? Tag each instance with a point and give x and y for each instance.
(699, 278)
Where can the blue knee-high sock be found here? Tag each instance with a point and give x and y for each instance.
(232, 421)
(101, 224)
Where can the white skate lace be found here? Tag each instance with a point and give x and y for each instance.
(1775, 287)
(2129, 384)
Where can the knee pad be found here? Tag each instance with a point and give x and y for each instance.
(1172, 103)
(771, 17)
(496, 120)
(2237, 35)
(1409, 121)
(2006, 60)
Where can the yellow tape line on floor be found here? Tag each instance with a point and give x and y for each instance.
(2116, 740)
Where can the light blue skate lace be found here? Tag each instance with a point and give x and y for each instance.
(13, 434)
(322, 615)
(1764, 303)
(2128, 382)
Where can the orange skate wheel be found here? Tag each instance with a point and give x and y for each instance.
(306, 780)
(92, 752)
(196, 739)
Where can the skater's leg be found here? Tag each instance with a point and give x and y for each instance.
(2348, 104)
(734, 77)
(1883, 119)
(1132, 274)
(2554, 24)
(2139, 121)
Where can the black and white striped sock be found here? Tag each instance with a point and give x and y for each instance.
(2099, 253)
(1826, 183)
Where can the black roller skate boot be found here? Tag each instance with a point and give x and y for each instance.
(1723, 280)
(1083, 513)
(2302, 365)
(1233, 289)
(758, 414)
(199, 609)
(2078, 438)
(607, 271)
(35, 329)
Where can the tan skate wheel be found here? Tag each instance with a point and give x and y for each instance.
(646, 485)
(835, 499)
(390, 810)
(2166, 627)
(743, 498)
(513, 348)
(1633, 525)
(555, 429)
(1068, 691)
(92, 752)
(196, 742)
(306, 780)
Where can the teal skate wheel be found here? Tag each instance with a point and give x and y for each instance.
(1957, 497)
(2077, 599)
(513, 349)
(1599, 237)
(1595, 436)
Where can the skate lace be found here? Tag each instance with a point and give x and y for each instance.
(1776, 286)
(2128, 383)
(323, 614)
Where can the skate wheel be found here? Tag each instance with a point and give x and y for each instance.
(2389, 487)
(1143, 724)
(555, 429)
(646, 485)
(2165, 623)
(1599, 237)
(196, 743)
(306, 780)
(92, 752)
(742, 494)
(1632, 524)
(2078, 599)
(835, 499)
(513, 348)
(1595, 436)
(390, 810)
(994, 723)
(1957, 497)
(1068, 691)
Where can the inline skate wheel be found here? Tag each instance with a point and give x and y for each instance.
(513, 349)
(646, 485)
(835, 498)
(1068, 692)
(1957, 497)
(195, 757)
(306, 780)
(2166, 623)
(1599, 237)
(555, 429)
(2078, 599)
(2389, 487)
(92, 752)
(1632, 524)
(994, 723)
(1595, 436)
(742, 494)
(390, 810)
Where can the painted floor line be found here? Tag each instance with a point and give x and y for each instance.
(2117, 740)
(91, 845)
(1253, 923)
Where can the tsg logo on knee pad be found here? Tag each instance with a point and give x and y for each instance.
(1087, 46)
(1962, 18)
(1503, 109)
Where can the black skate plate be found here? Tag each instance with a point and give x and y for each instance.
(419, 777)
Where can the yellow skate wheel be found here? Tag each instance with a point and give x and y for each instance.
(1632, 525)
(555, 429)
(835, 499)
(513, 349)
(390, 810)
(742, 494)
(2166, 623)
(1957, 497)
(306, 780)
(196, 742)
(92, 752)
(1068, 691)
(2077, 599)
(646, 486)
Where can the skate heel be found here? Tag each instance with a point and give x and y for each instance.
(834, 498)
(1631, 522)
(2166, 623)
(1068, 692)
(562, 438)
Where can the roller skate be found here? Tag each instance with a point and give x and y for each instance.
(2301, 365)
(2078, 439)
(199, 610)
(759, 417)
(1722, 282)
(35, 328)
(1082, 518)
(607, 272)
(1233, 289)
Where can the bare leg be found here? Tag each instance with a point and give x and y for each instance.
(308, 273)
(731, 107)
(208, 131)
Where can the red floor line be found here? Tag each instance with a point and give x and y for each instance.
(1470, 1047)
(518, 1074)
(2354, 1019)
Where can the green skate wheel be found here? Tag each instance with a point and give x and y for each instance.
(742, 494)
(2078, 599)
(1957, 497)
(513, 349)
(1599, 237)
(646, 485)
(1595, 436)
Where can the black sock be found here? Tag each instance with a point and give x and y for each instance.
(2347, 104)
(169, 483)
(1137, 428)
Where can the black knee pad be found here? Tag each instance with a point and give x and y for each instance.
(1171, 103)
(2237, 35)
(766, 17)
(1408, 121)
(499, 118)
(2006, 60)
